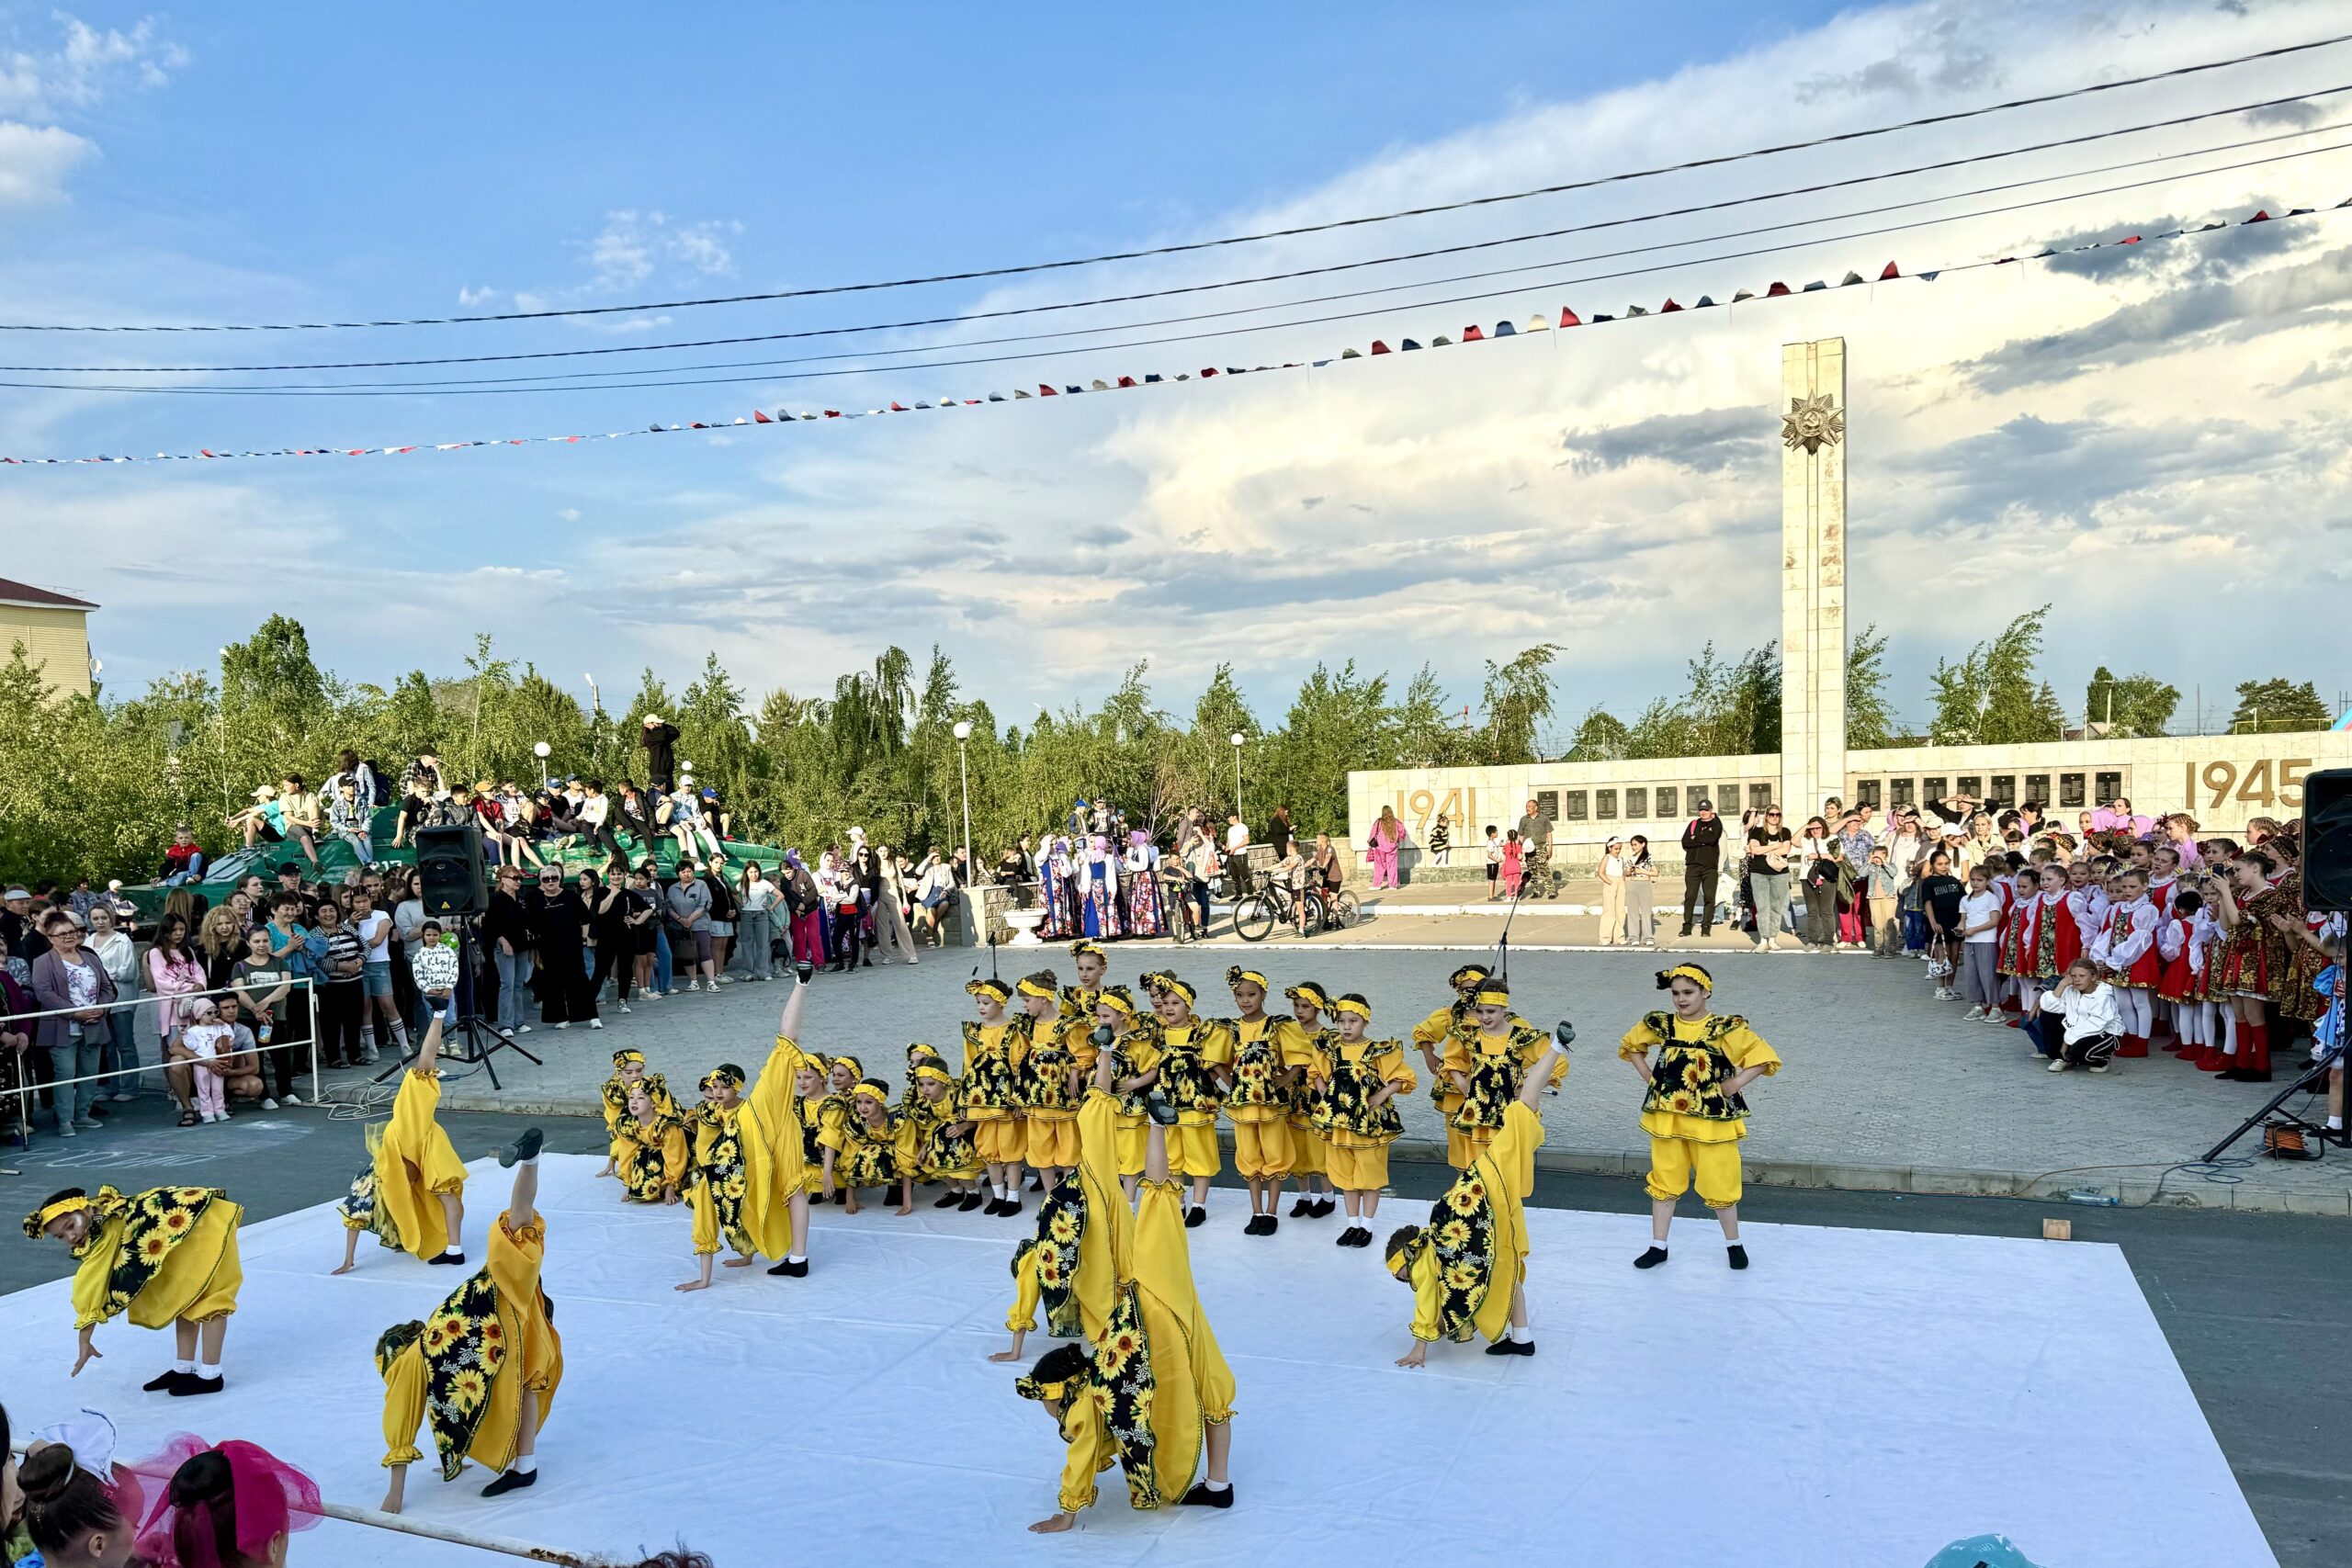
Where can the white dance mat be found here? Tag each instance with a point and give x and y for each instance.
(1859, 1397)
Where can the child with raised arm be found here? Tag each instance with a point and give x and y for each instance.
(1468, 1266)
(747, 1171)
(1156, 1390)
(412, 1192)
(481, 1370)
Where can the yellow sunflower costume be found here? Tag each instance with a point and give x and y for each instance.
(1191, 1056)
(650, 1155)
(1356, 1135)
(1136, 1050)
(1432, 1034)
(466, 1369)
(1056, 1049)
(941, 1131)
(1044, 1267)
(1465, 1262)
(747, 1159)
(864, 1155)
(1694, 1126)
(411, 1164)
(992, 1055)
(167, 1255)
(1156, 1379)
(1495, 1065)
(1264, 1051)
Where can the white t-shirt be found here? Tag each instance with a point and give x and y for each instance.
(1985, 906)
(376, 930)
(1236, 836)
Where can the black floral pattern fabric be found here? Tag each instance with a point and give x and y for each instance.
(1122, 1390)
(1461, 1234)
(1346, 1103)
(464, 1347)
(154, 1224)
(1494, 1077)
(1061, 1224)
(718, 1166)
(1688, 1078)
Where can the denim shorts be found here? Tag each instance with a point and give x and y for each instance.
(377, 979)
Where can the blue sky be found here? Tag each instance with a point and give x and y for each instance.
(2083, 435)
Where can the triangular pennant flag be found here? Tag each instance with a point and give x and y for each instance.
(1472, 334)
(896, 407)
(1441, 340)
(1850, 279)
(1633, 311)
(1045, 391)
(1151, 379)
(833, 413)
(760, 418)
(1351, 354)
(1706, 302)
(1406, 346)
(1379, 347)
(1233, 370)
(921, 405)
(2298, 213)
(1890, 271)
(1743, 294)
(1776, 291)
(2261, 217)
(1207, 371)
(1931, 277)
(1102, 386)
(1670, 306)
(1539, 323)
(1126, 380)
(1815, 285)
(1568, 318)
(1018, 394)
(1602, 316)
(1503, 329)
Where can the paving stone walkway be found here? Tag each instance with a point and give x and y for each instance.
(1884, 1087)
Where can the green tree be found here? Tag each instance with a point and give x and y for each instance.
(1339, 721)
(1428, 733)
(1996, 696)
(1518, 700)
(1869, 718)
(2131, 707)
(1600, 737)
(2277, 705)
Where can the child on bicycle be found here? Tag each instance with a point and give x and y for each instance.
(1291, 871)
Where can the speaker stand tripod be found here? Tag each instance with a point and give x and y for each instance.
(2312, 1082)
(472, 1040)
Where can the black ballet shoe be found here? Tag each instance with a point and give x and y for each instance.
(166, 1381)
(946, 1200)
(1199, 1496)
(996, 1205)
(1652, 1259)
(1156, 1106)
(1346, 1237)
(971, 1201)
(511, 1481)
(1736, 1254)
(523, 1149)
(1036, 1183)
(1196, 1218)
(449, 1258)
(1012, 1206)
(190, 1385)
(1324, 1208)
(1511, 1347)
(789, 1269)
(1303, 1207)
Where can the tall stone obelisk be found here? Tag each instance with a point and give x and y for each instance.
(1813, 576)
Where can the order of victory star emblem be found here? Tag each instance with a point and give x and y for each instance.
(1812, 422)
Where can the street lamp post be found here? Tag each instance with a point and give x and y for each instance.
(1238, 811)
(964, 767)
(540, 751)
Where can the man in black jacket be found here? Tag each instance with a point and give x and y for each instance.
(660, 740)
(1702, 842)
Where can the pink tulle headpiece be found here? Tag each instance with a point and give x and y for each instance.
(271, 1498)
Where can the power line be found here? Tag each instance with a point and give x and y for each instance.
(473, 389)
(1187, 247)
(1180, 289)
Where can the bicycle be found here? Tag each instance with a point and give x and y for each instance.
(1182, 918)
(1255, 915)
(1343, 910)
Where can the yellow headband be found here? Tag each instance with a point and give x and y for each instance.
(37, 1222)
(1172, 986)
(988, 987)
(1347, 1005)
(1492, 998)
(872, 1088)
(1118, 1000)
(1237, 976)
(917, 1048)
(723, 1074)
(1030, 988)
(930, 1070)
(627, 1059)
(856, 1068)
(1030, 1388)
(1471, 972)
(1308, 991)
(1690, 971)
(1081, 949)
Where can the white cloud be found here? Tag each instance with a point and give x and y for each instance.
(35, 161)
(82, 67)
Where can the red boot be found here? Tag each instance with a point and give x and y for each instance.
(2133, 1046)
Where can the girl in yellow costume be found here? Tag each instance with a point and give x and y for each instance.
(747, 1186)
(1307, 1040)
(412, 1192)
(1044, 1267)
(1131, 1038)
(808, 1114)
(167, 1255)
(1476, 1242)
(1196, 1071)
(1693, 1110)
(1487, 1055)
(651, 1138)
(992, 1048)
(629, 1072)
(1269, 1059)
(483, 1369)
(871, 1148)
(942, 1136)
(1358, 1083)
(1430, 1035)
(1156, 1390)
(843, 1075)
(1077, 1002)
(1057, 1051)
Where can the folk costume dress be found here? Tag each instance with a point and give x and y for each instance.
(1044, 1267)
(940, 1153)
(615, 1093)
(165, 1256)
(1144, 915)
(747, 1160)
(1098, 896)
(1693, 1125)
(465, 1371)
(1473, 1253)
(864, 1155)
(1356, 1134)
(1135, 1052)
(992, 1059)
(1056, 1048)
(652, 1155)
(1494, 1065)
(2029, 940)
(411, 1164)
(1156, 1379)
(1190, 1054)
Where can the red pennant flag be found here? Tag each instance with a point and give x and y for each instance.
(1379, 347)
(1890, 271)
(206, 451)
(1776, 291)
(1126, 380)
(1045, 391)
(1472, 334)
(1570, 317)
(759, 418)
(896, 407)
(833, 413)
(691, 424)
(2261, 217)
(1668, 307)
(2131, 240)
(1207, 371)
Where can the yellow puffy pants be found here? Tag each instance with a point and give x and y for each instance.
(1306, 1156)
(1004, 1141)
(1193, 1151)
(1361, 1169)
(1052, 1141)
(1673, 1161)
(1261, 1148)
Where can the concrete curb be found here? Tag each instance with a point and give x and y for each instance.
(2135, 1187)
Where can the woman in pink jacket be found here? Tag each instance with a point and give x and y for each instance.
(174, 970)
(1386, 835)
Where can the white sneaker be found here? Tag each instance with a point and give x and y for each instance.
(722, 980)
(1974, 1013)
(2058, 1065)
(522, 1029)
(267, 1103)
(592, 1023)
(293, 1100)
(652, 996)
(624, 1007)
(565, 1024)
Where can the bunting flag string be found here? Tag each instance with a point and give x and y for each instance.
(1566, 316)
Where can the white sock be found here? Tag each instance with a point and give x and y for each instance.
(208, 1368)
(797, 1257)
(1517, 1331)
(525, 1464)
(184, 1365)
(1731, 1241)
(1218, 1485)
(2335, 1124)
